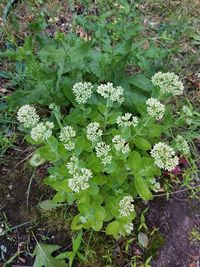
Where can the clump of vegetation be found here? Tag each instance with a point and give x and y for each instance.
(103, 158)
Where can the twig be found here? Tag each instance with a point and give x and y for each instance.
(24, 159)
(176, 192)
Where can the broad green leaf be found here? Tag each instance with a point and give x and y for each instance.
(134, 161)
(142, 188)
(36, 160)
(97, 225)
(94, 163)
(93, 189)
(48, 205)
(142, 82)
(51, 54)
(142, 143)
(50, 151)
(102, 108)
(155, 130)
(76, 224)
(100, 213)
(143, 239)
(44, 256)
(113, 228)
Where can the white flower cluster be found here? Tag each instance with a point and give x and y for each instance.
(155, 108)
(83, 219)
(72, 165)
(155, 186)
(126, 206)
(108, 91)
(120, 144)
(129, 228)
(28, 116)
(52, 106)
(186, 114)
(102, 152)
(182, 145)
(164, 156)
(42, 131)
(127, 120)
(80, 179)
(66, 136)
(168, 83)
(93, 131)
(82, 91)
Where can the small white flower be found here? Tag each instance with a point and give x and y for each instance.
(72, 165)
(66, 136)
(168, 83)
(93, 131)
(155, 108)
(83, 219)
(102, 151)
(82, 92)
(80, 179)
(127, 120)
(52, 106)
(129, 228)
(182, 145)
(106, 160)
(186, 114)
(42, 131)
(126, 206)
(164, 156)
(108, 91)
(120, 144)
(155, 186)
(28, 116)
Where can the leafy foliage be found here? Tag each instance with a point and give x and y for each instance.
(46, 68)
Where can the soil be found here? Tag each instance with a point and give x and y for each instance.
(175, 219)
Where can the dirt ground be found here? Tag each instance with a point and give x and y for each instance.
(175, 219)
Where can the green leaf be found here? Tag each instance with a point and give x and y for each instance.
(155, 130)
(143, 239)
(93, 189)
(44, 258)
(142, 143)
(77, 242)
(50, 151)
(113, 228)
(142, 82)
(134, 161)
(76, 224)
(79, 145)
(48, 205)
(94, 163)
(102, 108)
(36, 160)
(142, 187)
(51, 54)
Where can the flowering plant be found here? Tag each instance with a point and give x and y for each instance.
(103, 158)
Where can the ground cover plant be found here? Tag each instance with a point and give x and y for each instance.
(109, 129)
